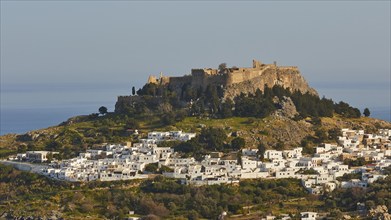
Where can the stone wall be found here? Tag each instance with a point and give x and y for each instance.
(176, 83)
(237, 80)
(244, 74)
(203, 78)
(289, 77)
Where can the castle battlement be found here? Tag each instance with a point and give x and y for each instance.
(289, 67)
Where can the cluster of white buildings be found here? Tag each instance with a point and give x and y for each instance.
(118, 162)
(318, 172)
(170, 135)
(303, 216)
(368, 146)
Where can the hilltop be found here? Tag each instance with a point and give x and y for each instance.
(237, 80)
(228, 83)
(275, 108)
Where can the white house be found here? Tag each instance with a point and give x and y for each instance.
(308, 215)
(249, 152)
(272, 154)
(354, 183)
(38, 156)
(249, 163)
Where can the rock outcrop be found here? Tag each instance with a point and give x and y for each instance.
(380, 212)
(286, 107)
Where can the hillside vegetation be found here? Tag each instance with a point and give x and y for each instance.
(275, 116)
(27, 194)
(278, 132)
(273, 119)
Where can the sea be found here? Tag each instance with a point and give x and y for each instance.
(26, 107)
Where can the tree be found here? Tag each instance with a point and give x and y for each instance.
(212, 98)
(103, 110)
(222, 66)
(346, 110)
(133, 91)
(334, 133)
(214, 138)
(366, 112)
(152, 167)
(168, 119)
(238, 143)
(261, 149)
(321, 135)
(132, 124)
(22, 148)
(226, 109)
(49, 157)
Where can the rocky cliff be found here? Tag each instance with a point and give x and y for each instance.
(287, 77)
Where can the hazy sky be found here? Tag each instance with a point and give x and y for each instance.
(333, 43)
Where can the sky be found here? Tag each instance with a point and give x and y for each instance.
(336, 44)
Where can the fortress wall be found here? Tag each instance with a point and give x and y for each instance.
(203, 80)
(176, 83)
(180, 80)
(244, 75)
(220, 79)
(197, 79)
(211, 71)
(288, 67)
(128, 99)
(197, 72)
(165, 80)
(201, 72)
(286, 77)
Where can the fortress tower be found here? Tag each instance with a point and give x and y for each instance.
(257, 64)
(152, 79)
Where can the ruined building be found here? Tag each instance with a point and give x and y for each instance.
(236, 80)
(233, 81)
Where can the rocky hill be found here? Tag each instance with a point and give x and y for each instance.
(223, 84)
(272, 108)
(281, 112)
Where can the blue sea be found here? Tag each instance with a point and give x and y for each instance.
(26, 107)
(35, 106)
